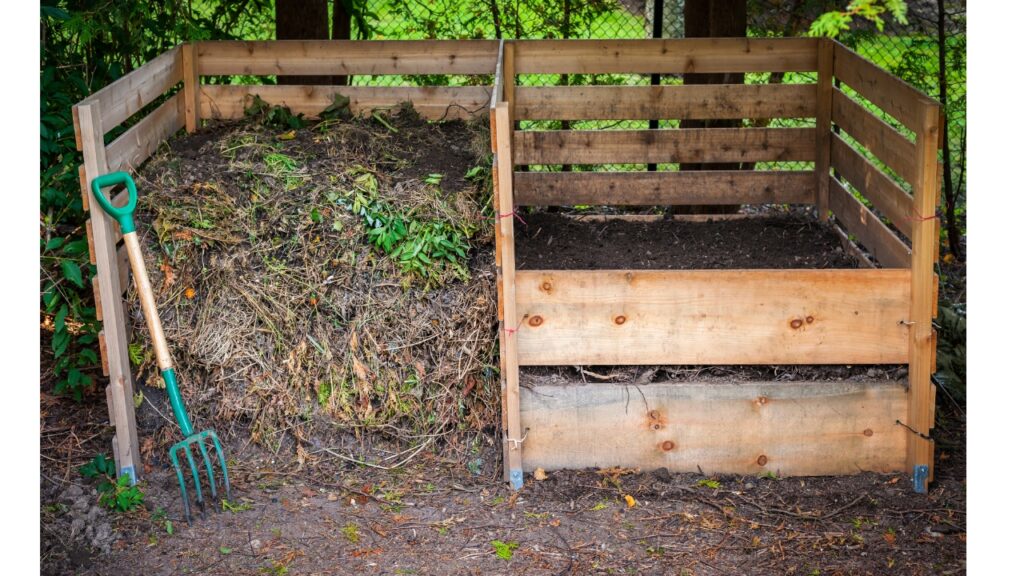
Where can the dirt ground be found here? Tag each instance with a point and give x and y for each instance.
(456, 516)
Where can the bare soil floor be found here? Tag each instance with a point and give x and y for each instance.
(448, 516)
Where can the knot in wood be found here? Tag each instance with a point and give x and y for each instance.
(796, 323)
(668, 445)
(620, 319)
(536, 321)
(762, 460)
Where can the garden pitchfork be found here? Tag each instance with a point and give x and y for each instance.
(123, 216)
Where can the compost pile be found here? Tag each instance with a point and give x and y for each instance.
(325, 279)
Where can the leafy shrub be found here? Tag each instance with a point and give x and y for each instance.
(116, 493)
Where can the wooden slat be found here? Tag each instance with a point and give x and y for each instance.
(687, 145)
(884, 141)
(897, 98)
(114, 335)
(190, 72)
(696, 102)
(748, 428)
(823, 125)
(225, 102)
(344, 57)
(712, 317)
(863, 260)
(860, 221)
(136, 145)
(497, 92)
(127, 95)
(509, 324)
(921, 411)
(884, 194)
(701, 55)
(83, 187)
(664, 188)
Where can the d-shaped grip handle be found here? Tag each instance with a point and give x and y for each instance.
(122, 214)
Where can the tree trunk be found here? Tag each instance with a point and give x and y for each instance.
(301, 20)
(951, 194)
(341, 29)
(712, 19)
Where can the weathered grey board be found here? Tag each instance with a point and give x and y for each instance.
(790, 428)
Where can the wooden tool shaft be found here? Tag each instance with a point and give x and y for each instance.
(156, 330)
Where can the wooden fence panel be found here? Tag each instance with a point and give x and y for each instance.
(136, 145)
(884, 141)
(894, 96)
(860, 221)
(873, 184)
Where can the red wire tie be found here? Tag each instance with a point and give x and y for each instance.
(918, 218)
(512, 213)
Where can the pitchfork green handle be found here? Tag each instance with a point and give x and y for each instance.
(122, 214)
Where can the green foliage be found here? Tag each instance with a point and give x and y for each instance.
(85, 45)
(504, 550)
(709, 483)
(831, 24)
(427, 249)
(277, 117)
(951, 351)
(116, 493)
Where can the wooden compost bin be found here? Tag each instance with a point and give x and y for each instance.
(868, 316)
(875, 315)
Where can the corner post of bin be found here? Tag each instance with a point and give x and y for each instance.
(922, 339)
(190, 76)
(502, 122)
(823, 125)
(114, 336)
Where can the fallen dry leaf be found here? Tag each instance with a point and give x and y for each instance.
(539, 474)
(190, 293)
(630, 501)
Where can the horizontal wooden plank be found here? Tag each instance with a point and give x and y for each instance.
(863, 260)
(897, 98)
(130, 93)
(866, 228)
(136, 145)
(712, 317)
(347, 57)
(887, 196)
(696, 102)
(748, 428)
(432, 102)
(664, 188)
(882, 140)
(703, 55)
(687, 145)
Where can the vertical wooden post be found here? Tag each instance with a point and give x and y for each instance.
(190, 72)
(508, 76)
(496, 97)
(509, 323)
(823, 124)
(921, 405)
(120, 391)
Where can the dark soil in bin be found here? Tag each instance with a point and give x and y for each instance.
(546, 241)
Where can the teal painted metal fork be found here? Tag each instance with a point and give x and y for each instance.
(193, 440)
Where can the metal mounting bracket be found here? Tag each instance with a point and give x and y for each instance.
(921, 478)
